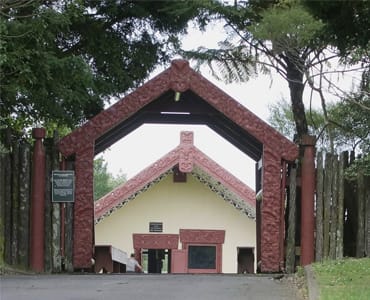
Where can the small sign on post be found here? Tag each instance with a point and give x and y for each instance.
(63, 186)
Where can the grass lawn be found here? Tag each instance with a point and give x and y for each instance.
(345, 279)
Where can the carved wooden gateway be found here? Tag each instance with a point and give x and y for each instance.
(181, 89)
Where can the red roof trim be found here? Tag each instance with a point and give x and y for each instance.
(179, 77)
(194, 157)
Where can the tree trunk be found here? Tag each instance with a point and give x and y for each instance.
(295, 80)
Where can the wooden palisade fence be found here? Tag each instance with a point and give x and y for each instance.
(342, 212)
(15, 205)
(342, 209)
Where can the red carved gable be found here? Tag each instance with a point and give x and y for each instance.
(179, 78)
(187, 155)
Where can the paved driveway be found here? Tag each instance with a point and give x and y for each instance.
(154, 287)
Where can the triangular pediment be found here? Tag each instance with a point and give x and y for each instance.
(188, 159)
(188, 98)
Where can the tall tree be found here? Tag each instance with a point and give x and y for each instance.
(62, 60)
(272, 35)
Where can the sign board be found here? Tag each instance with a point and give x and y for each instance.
(155, 227)
(63, 186)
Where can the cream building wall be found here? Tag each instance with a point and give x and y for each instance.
(190, 205)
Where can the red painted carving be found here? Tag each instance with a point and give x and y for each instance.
(187, 137)
(83, 221)
(200, 236)
(155, 241)
(179, 77)
(270, 214)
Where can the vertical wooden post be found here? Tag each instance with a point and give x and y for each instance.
(258, 172)
(319, 207)
(68, 237)
(307, 208)
(67, 227)
(282, 212)
(360, 232)
(327, 202)
(15, 201)
(290, 247)
(24, 205)
(7, 200)
(367, 216)
(339, 243)
(56, 256)
(2, 205)
(334, 209)
(62, 166)
(48, 256)
(37, 202)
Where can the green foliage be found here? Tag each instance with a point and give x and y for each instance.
(229, 63)
(350, 124)
(104, 182)
(360, 165)
(232, 61)
(62, 60)
(353, 123)
(288, 26)
(282, 119)
(343, 279)
(346, 25)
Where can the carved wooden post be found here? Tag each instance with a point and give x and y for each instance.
(290, 247)
(37, 203)
(24, 205)
(307, 206)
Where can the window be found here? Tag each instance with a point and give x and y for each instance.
(202, 257)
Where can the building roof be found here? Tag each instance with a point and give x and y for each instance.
(191, 160)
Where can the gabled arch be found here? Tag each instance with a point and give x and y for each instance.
(201, 102)
(188, 159)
